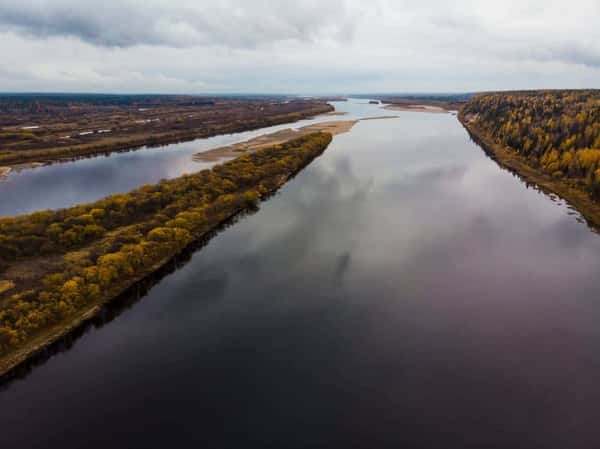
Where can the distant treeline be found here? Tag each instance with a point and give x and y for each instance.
(557, 132)
(77, 257)
(36, 103)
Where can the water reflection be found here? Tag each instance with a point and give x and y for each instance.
(402, 291)
(85, 180)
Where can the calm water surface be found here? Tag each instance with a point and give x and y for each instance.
(85, 180)
(402, 291)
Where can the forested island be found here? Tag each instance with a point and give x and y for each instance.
(58, 267)
(41, 128)
(551, 138)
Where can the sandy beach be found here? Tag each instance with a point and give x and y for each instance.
(416, 108)
(334, 128)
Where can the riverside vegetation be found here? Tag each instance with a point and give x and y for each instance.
(550, 138)
(557, 132)
(56, 265)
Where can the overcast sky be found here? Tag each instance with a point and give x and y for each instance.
(298, 46)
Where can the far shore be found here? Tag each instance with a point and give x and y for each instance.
(416, 108)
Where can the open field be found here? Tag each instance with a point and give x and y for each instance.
(46, 129)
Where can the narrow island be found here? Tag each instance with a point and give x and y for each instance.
(332, 127)
(58, 267)
(550, 138)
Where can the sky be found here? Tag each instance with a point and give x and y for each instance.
(297, 46)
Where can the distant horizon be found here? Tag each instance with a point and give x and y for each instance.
(287, 94)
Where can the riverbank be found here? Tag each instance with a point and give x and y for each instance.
(70, 288)
(571, 191)
(277, 138)
(416, 108)
(49, 143)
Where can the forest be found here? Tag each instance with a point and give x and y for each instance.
(556, 132)
(56, 264)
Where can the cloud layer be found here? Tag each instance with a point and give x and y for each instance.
(303, 46)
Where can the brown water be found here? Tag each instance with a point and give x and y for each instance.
(402, 291)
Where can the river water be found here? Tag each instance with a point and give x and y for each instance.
(401, 291)
(88, 179)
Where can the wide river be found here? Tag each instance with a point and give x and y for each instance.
(402, 291)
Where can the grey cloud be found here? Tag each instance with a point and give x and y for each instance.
(297, 46)
(235, 23)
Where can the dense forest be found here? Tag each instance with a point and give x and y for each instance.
(557, 132)
(55, 264)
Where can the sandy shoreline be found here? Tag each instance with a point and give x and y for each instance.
(416, 108)
(4, 171)
(334, 128)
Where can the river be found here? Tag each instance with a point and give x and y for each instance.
(401, 291)
(87, 179)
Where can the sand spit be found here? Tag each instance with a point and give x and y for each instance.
(416, 108)
(383, 117)
(334, 128)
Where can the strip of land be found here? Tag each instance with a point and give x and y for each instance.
(277, 138)
(416, 108)
(444, 102)
(36, 128)
(57, 268)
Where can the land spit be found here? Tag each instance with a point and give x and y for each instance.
(277, 138)
(416, 108)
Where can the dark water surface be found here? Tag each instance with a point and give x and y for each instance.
(402, 291)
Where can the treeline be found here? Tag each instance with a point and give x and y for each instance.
(105, 246)
(557, 132)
